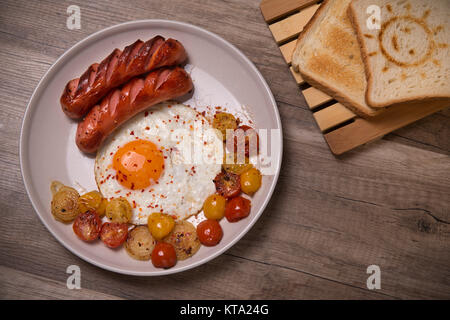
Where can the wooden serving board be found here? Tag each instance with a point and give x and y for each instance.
(342, 129)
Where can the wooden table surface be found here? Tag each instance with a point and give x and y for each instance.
(385, 204)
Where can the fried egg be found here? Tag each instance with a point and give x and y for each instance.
(162, 160)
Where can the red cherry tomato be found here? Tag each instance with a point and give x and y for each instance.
(237, 209)
(250, 135)
(164, 255)
(209, 232)
(228, 184)
(114, 234)
(87, 226)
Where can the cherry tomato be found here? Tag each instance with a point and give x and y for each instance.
(118, 210)
(92, 201)
(251, 181)
(251, 140)
(160, 225)
(164, 255)
(87, 226)
(232, 165)
(224, 121)
(209, 232)
(237, 209)
(228, 184)
(214, 207)
(114, 234)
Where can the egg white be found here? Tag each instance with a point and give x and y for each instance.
(193, 155)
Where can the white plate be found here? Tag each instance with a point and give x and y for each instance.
(222, 76)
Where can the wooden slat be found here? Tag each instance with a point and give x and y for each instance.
(363, 131)
(315, 97)
(332, 116)
(274, 9)
(290, 27)
(287, 49)
(298, 78)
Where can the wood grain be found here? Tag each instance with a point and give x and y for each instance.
(287, 49)
(386, 203)
(315, 97)
(275, 9)
(290, 27)
(395, 117)
(332, 116)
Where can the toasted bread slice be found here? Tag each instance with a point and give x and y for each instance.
(407, 58)
(328, 56)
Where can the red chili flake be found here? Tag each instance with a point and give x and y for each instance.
(147, 128)
(134, 204)
(132, 186)
(118, 191)
(132, 133)
(146, 113)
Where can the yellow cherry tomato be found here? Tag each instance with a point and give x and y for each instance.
(118, 210)
(224, 121)
(251, 181)
(92, 201)
(160, 225)
(214, 207)
(230, 165)
(101, 210)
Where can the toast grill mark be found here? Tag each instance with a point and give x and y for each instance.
(394, 42)
(421, 29)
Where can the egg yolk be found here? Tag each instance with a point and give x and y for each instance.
(138, 164)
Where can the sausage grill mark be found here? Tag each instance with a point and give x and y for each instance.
(123, 103)
(81, 94)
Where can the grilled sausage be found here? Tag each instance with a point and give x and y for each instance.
(122, 104)
(81, 94)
